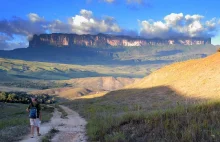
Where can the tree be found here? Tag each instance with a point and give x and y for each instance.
(3, 96)
(11, 97)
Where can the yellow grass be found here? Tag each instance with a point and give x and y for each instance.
(194, 78)
(95, 95)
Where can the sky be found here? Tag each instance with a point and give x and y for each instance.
(21, 19)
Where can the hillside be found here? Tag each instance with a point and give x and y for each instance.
(101, 83)
(86, 86)
(131, 56)
(10, 69)
(67, 64)
(161, 101)
(198, 78)
(66, 93)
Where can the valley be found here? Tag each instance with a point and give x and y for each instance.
(142, 92)
(109, 71)
(172, 103)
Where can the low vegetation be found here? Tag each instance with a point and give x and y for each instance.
(129, 62)
(110, 122)
(34, 84)
(164, 53)
(124, 115)
(104, 112)
(195, 123)
(18, 69)
(22, 97)
(140, 114)
(63, 112)
(14, 121)
(49, 135)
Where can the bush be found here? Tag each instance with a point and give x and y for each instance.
(21, 97)
(218, 50)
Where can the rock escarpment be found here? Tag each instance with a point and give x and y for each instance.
(103, 40)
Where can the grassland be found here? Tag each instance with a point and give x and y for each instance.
(158, 54)
(105, 112)
(130, 62)
(149, 116)
(49, 135)
(53, 71)
(174, 103)
(14, 121)
(125, 115)
(194, 123)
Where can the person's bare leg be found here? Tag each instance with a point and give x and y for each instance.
(32, 130)
(38, 131)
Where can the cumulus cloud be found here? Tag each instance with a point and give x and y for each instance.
(34, 17)
(86, 23)
(4, 45)
(21, 26)
(178, 25)
(9, 29)
(172, 25)
(7, 43)
(83, 23)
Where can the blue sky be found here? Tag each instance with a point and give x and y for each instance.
(19, 20)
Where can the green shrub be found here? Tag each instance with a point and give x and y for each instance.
(21, 97)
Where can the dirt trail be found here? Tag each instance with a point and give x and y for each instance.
(71, 129)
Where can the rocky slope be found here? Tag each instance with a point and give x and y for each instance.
(103, 40)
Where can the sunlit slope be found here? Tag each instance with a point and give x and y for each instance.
(198, 78)
(101, 83)
(84, 86)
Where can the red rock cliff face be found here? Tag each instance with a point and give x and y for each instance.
(102, 40)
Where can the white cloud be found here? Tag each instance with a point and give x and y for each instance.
(33, 17)
(173, 19)
(172, 25)
(86, 13)
(193, 17)
(178, 25)
(86, 23)
(9, 43)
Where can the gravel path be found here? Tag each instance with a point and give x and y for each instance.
(71, 129)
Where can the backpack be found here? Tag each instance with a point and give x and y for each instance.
(33, 111)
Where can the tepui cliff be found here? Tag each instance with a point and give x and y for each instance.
(104, 40)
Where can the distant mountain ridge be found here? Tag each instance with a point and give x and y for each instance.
(105, 40)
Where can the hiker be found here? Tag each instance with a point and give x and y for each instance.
(34, 115)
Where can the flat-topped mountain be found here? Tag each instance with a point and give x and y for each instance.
(104, 40)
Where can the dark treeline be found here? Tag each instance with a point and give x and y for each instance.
(33, 84)
(22, 97)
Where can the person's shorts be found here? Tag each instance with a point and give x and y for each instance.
(35, 122)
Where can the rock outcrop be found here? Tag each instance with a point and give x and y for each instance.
(103, 40)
